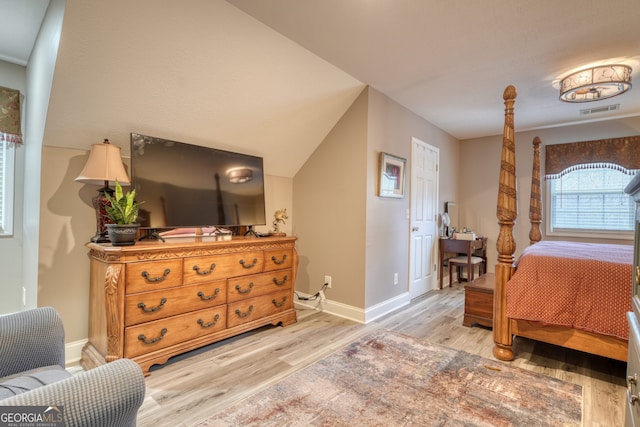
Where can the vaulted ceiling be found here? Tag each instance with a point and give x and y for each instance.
(449, 61)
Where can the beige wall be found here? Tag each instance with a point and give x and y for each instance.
(344, 229)
(202, 72)
(329, 198)
(479, 168)
(390, 129)
(67, 221)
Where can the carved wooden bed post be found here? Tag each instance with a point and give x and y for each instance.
(535, 202)
(507, 212)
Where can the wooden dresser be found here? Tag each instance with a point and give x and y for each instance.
(632, 417)
(154, 300)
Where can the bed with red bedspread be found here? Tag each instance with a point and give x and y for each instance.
(576, 295)
(586, 286)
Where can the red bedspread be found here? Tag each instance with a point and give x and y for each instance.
(585, 286)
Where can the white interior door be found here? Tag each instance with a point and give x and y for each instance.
(424, 217)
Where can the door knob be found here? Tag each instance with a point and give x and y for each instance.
(415, 228)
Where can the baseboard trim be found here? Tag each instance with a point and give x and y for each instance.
(332, 307)
(73, 352)
(354, 313)
(386, 307)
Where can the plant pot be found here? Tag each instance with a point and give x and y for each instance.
(122, 234)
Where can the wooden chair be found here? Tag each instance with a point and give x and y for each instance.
(468, 261)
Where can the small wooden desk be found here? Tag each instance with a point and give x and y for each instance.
(477, 247)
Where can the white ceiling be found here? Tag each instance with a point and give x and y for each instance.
(19, 25)
(448, 61)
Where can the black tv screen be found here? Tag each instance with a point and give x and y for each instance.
(186, 185)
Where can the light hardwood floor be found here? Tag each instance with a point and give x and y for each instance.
(192, 387)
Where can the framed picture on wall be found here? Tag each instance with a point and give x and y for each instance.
(391, 176)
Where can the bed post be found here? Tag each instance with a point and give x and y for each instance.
(507, 212)
(535, 202)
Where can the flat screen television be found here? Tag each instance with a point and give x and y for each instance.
(184, 185)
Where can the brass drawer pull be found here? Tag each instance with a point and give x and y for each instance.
(244, 291)
(632, 380)
(275, 260)
(204, 273)
(255, 261)
(156, 279)
(145, 340)
(243, 315)
(279, 304)
(204, 297)
(144, 308)
(280, 283)
(210, 324)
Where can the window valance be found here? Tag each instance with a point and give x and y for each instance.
(618, 153)
(10, 128)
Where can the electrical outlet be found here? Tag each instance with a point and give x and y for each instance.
(327, 280)
(395, 278)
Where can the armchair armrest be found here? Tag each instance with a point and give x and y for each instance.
(109, 395)
(30, 339)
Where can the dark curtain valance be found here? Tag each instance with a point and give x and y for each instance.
(620, 153)
(10, 128)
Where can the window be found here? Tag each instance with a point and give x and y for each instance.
(592, 201)
(7, 162)
(10, 135)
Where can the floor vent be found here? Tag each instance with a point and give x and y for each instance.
(612, 107)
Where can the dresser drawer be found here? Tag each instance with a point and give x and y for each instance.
(204, 269)
(278, 259)
(260, 284)
(159, 334)
(152, 275)
(147, 306)
(255, 308)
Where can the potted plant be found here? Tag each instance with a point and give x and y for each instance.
(123, 211)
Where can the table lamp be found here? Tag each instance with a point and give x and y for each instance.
(104, 167)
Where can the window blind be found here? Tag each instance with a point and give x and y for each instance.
(592, 199)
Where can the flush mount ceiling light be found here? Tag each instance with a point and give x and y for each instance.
(596, 83)
(240, 175)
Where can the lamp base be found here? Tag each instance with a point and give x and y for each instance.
(100, 238)
(102, 219)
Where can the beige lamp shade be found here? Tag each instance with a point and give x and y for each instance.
(104, 166)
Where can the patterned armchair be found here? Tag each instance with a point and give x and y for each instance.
(32, 374)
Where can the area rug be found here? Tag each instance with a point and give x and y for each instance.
(390, 379)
